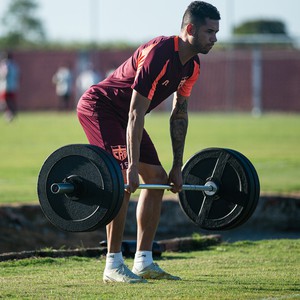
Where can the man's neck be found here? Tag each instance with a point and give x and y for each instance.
(185, 50)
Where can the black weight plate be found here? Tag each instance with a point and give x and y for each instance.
(116, 186)
(93, 205)
(116, 200)
(224, 209)
(251, 190)
(255, 199)
(118, 178)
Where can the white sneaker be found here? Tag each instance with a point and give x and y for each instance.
(154, 272)
(122, 274)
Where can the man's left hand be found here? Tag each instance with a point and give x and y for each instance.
(175, 179)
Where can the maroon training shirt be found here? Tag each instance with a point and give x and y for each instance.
(154, 70)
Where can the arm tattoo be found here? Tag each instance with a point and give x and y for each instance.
(178, 129)
(181, 108)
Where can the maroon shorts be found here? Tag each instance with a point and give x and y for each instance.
(7, 95)
(106, 131)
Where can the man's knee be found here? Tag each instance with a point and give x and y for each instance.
(161, 177)
(153, 174)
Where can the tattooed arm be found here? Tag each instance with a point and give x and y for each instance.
(178, 130)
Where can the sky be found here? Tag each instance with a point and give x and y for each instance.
(137, 21)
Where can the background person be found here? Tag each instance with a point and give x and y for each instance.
(112, 114)
(63, 81)
(86, 79)
(9, 85)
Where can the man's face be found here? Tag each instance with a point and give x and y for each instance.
(205, 36)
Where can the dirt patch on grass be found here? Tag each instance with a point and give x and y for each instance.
(25, 228)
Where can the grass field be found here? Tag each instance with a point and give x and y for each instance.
(271, 142)
(242, 270)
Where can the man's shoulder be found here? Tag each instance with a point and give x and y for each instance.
(160, 41)
(196, 58)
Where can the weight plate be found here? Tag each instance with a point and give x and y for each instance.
(93, 206)
(250, 194)
(118, 179)
(256, 188)
(117, 191)
(230, 205)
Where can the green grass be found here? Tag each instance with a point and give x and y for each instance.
(271, 142)
(242, 270)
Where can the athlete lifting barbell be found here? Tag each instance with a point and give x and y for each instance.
(87, 182)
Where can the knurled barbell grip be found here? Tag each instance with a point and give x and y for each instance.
(210, 188)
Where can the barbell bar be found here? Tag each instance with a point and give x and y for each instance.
(210, 188)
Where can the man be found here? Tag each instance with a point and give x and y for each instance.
(112, 115)
(9, 84)
(63, 81)
(86, 78)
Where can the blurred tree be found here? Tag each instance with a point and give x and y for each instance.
(21, 26)
(261, 27)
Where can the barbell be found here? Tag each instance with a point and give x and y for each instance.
(81, 188)
(210, 188)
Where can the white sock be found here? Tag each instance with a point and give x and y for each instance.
(113, 260)
(142, 259)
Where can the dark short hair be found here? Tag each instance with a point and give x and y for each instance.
(198, 11)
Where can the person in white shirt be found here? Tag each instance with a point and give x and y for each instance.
(63, 80)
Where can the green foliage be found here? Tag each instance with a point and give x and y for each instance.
(243, 270)
(261, 27)
(21, 25)
(200, 242)
(24, 30)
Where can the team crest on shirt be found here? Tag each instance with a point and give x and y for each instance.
(119, 152)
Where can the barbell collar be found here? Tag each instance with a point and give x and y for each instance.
(210, 188)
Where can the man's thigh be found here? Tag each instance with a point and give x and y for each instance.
(107, 133)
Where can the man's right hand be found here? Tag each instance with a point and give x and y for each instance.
(133, 180)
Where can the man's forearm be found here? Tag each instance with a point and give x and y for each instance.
(136, 119)
(134, 136)
(178, 130)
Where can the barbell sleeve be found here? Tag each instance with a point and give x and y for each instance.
(62, 188)
(210, 187)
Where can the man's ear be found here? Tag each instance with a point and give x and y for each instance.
(190, 29)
